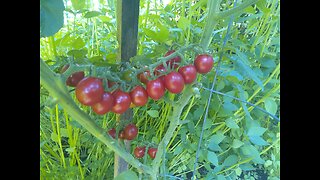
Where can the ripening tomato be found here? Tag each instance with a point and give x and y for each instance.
(143, 77)
(74, 78)
(122, 101)
(152, 152)
(155, 89)
(189, 73)
(139, 96)
(112, 133)
(139, 151)
(130, 131)
(174, 62)
(203, 63)
(89, 91)
(174, 82)
(104, 105)
(159, 70)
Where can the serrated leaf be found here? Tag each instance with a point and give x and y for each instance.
(92, 14)
(51, 17)
(270, 105)
(230, 160)
(256, 131)
(213, 158)
(153, 113)
(127, 175)
(231, 123)
(257, 140)
(237, 143)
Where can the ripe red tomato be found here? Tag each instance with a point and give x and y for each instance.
(104, 105)
(122, 101)
(189, 73)
(174, 62)
(121, 135)
(89, 91)
(130, 131)
(159, 70)
(139, 151)
(74, 78)
(112, 132)
(174, 82)
(143, 77)
(139, 96)
(155, 89)
(152, 152)
(203, 63)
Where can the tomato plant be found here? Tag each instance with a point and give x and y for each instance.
(174, 62)
(152, 152)
(89, 91)
(143, 76)
(139, 151)
(122, 101)
(203, 63)
(130, 131)
(139, 96)
(74, 78)
(155, 89)
(174, 82)
(189, 73)
(104, 105)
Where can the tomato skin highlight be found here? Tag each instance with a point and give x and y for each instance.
(122, 101)
(174, 62)
(174, 82)
(155, 89)
(104, 105)
(139, 96)
(203, 63)
(112, 133)
(152, 152)
(139, 151)
(130, 131)
(143, 76)
(74, 78)
(89, 91)
(189, 73)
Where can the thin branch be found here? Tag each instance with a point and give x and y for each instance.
(237, 9)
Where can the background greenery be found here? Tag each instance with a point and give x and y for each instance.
(238, 142)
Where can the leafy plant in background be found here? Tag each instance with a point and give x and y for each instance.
(234, 141)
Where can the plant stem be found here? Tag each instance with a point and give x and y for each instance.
(177, 111)
(56, 87)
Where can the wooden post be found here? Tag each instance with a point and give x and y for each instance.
(127, 28)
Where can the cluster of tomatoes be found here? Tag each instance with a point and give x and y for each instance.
(90, 90)
(130, 132)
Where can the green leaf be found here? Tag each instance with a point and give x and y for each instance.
(153, 113)
(70, 149)
(231, 123)
(183, 23)
(228, 99)
(246, 167)
(51, 17)
(91, 14)
(163, 34)
(256, 131)
(237, 143)
(54, 137)
(214, 147)
(230, 160)
(250, 151)
(258, 140)
(78, 43)
(242, 96)
(78, 4)
(127, 175)
(229, 107)
(217, 138)
(270, 105)
(213, 158)
(220, 177)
